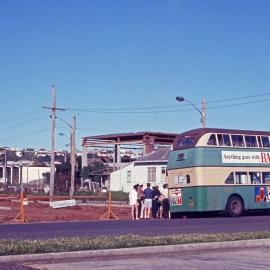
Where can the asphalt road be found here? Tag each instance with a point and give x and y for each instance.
(141, 227)
(222, 259)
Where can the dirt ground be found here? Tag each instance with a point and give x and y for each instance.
(42, 212)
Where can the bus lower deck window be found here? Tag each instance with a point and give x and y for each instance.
(266, 177)
(255, 177)
(241, 178)
(230, 179)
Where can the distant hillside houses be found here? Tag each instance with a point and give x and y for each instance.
(26, 165)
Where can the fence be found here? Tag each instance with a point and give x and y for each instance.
(23, 200)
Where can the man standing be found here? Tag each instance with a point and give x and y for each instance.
(155, 201)
(133, 202)
(148, 194)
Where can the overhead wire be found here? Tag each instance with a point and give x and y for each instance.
(20, 117)
(147, 110)
(24, 135)
(131, 110)
(30, 121)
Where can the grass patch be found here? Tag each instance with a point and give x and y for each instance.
(119, 196)
(116, 195)
(17, 246)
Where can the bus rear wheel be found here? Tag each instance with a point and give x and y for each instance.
(234, 207)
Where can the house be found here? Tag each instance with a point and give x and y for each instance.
(15, 172)
(149, 168)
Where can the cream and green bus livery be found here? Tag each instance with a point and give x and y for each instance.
(219, 170)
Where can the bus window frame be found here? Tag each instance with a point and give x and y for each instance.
(222, 134)
(238, 146)
(250, 146)
(215, 140)
(241, 173)
(259, 139)
(268, 141)
(251, 181)
(263, 178)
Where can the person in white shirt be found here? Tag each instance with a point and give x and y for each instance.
(133, 202)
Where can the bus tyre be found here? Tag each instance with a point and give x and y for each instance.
(235, 206)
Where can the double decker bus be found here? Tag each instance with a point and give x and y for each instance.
(213, 169)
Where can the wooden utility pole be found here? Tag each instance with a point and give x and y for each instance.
(72, 156)
(53, 116)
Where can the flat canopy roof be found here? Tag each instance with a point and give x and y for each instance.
(157, 137)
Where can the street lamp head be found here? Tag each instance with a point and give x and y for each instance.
(180, 99)
(61, 134)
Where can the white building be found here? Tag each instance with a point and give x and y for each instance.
(14, 173)
(149, 168)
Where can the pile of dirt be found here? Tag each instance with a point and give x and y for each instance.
(42, 212)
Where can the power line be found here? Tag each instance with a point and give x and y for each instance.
(171, 111)
(122, 110)
(21, 116)
(24, 135)
(21, 123)
(239, 104)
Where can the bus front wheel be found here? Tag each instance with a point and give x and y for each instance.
(235, 206)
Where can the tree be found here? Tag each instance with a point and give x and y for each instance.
(95, 171)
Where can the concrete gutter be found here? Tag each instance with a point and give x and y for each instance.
(135, 251)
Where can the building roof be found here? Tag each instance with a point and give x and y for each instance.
(160, 155)
(159, 137)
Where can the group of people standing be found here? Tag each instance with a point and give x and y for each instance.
(149, 202)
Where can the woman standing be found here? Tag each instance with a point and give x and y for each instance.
(133, 202)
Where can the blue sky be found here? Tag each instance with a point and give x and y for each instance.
(128, 54)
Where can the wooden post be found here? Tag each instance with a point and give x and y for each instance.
(22, 216)
(109, 214)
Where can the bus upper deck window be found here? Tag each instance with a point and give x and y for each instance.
(224, 140)
(251, 141)
(187, 141)
(238, 140)
(212, 140)
(265, 141)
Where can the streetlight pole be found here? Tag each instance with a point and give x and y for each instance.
(73, 156)
(72, 152)
(202, 112)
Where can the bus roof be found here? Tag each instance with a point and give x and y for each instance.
(199, 132)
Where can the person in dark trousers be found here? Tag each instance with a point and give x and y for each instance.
(141, 201)
(166, 203)
(155, 201)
